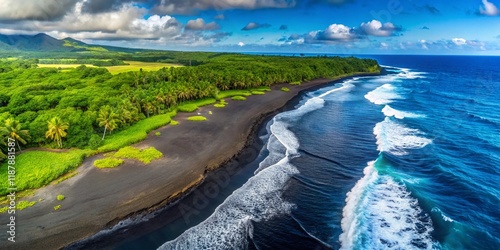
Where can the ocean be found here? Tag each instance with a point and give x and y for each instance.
(409, 159)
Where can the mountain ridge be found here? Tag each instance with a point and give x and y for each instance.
(42, 42)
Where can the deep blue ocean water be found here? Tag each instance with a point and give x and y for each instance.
(406, 160)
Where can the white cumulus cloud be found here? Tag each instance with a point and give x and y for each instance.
(199, 24)
(35, 9)
(459, 41)
(337, 32)
(376, 28)
(488, 9)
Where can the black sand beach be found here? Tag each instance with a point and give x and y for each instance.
(97, 199)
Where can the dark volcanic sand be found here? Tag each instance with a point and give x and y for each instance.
(96, 198)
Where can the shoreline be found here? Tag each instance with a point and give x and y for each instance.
(86, 213)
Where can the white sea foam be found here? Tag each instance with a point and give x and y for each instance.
(260, 198)
(389, 111)
(396, 139)
(380, 213)
(230, 225)
(383, 95)
(408, 74)
(445, 218)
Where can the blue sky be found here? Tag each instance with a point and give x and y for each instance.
(296, 26)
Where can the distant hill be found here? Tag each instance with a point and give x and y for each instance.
(45, 43)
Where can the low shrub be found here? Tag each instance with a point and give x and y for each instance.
(150, 154)
(192, 106)
(19, 206)
(159, 133)
(187, 108)
(35, 169)
(285, 89)
(174, 123)
(238, 98)
(57, 207)
(197, 118)
(231, 93)
(60, 197)
(109, 162)
(146, 155)
(135, 133)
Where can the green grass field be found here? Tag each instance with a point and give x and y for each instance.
(197, 118)
(133, 66)
(134, 133)
(57, 166)
(145, 155)
(21, 205)
(136, 66)
(35, 169)
(238, 98)
(63, 66)
(192, 106)
(231, 93)
(109, 162)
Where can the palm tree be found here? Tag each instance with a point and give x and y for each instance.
(12, 129)
(108, 119)
(57, 130)
(2, 143)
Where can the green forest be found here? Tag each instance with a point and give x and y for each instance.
(78, 108)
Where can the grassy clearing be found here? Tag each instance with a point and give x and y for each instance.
(51, 165)
(285, 89)
(109, 162)
(192, 106)
(63, 66)
(36, 169)
(238, 98)
(134, 133)
(136, 66)
(263, 89)
(26, 193)
(231, 93)
(19, 206)
(198, 118)
(145, 155)
(222, 103)
(60, 197)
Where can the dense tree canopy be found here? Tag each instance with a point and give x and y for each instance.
(91, 100)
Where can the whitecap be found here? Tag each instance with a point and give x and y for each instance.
(396, 139)
(380, 213)
(408, 74)
(389, 111)
(443, 216)
(383, 95)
